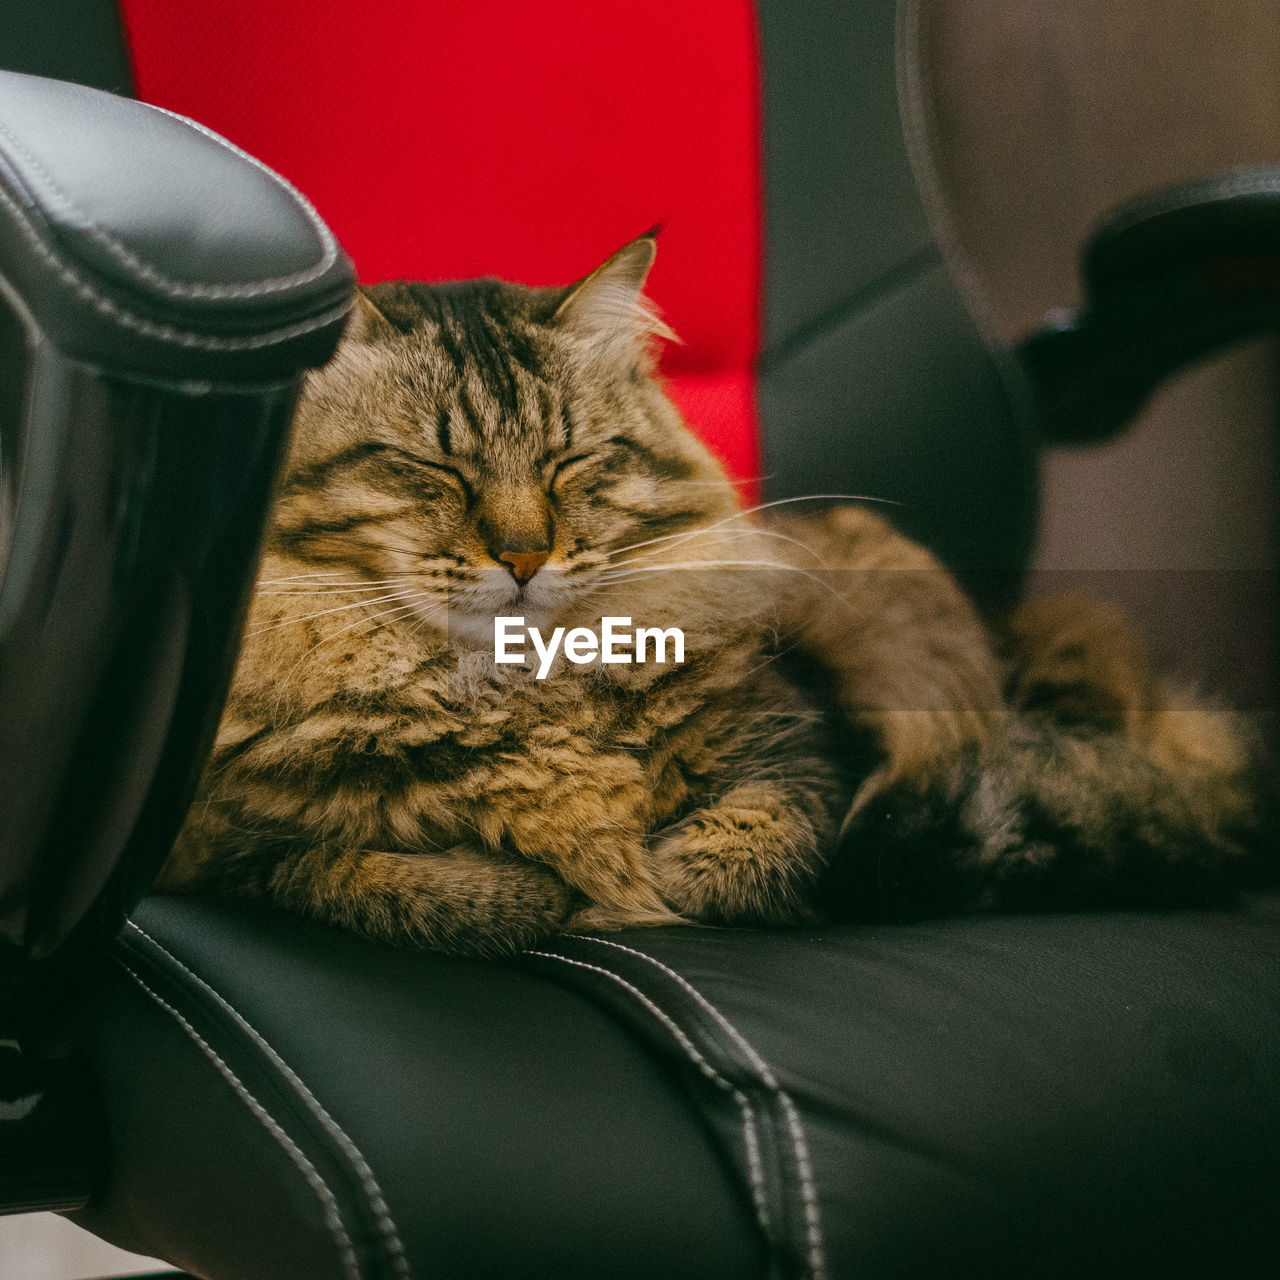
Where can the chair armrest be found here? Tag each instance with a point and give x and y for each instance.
(1168, 278)
(161, 294)
(142, 242)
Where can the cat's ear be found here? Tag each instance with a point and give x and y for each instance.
(366, 323)
(609, 308)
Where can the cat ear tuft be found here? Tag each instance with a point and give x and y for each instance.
(609, 308)
(365, 323)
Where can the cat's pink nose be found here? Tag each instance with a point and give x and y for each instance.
(523, 564)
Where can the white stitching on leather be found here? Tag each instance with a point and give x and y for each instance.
(761, 1066)
(755, 1164)
(165, 333)
(795, 1126)
(368, 1183)
(808, 1186)
(750, 1136)
(166, 284)
(332, 1218)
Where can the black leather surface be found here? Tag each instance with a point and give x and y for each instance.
(144, 243)
(841, 207)
(874, 378)
(139, 510)
(899, 401)
(512, 1129)
(1048, 1097)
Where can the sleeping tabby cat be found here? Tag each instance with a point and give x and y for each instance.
(844, 736)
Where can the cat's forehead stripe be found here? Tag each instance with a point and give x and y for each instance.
(480, 331)
(497, 363)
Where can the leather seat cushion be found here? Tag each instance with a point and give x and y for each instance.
(1049, 1096)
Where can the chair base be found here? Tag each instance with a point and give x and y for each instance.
(53, 1145)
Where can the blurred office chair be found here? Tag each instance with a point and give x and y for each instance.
(256, 1098)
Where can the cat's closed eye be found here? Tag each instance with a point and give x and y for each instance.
(562, 471)
(459, 480)
(566, 469)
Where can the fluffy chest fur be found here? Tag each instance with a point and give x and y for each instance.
(361, 732)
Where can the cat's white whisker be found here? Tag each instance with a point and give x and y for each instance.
(333, 635)
(724, 535)
(370, 619)
(623, 574)
(627, 575)
(674, 537)
(337, 588)
(747, 511)
(399, 608)
(821, 497)
(297, 577)
(353, 604)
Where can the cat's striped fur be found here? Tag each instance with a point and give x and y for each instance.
(485, 449)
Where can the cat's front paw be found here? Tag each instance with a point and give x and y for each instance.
(746, 859)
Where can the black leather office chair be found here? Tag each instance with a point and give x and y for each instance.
(257, 1098)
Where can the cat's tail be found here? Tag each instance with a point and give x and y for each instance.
(1068, 818)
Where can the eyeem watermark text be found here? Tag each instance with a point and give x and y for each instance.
(615, 643)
